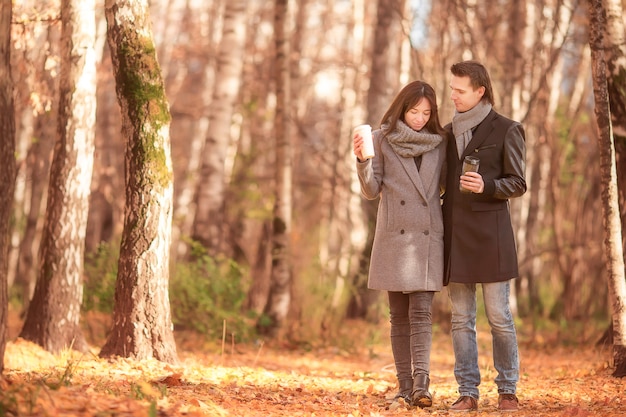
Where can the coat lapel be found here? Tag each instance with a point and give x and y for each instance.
(409, 166)
(423, 179)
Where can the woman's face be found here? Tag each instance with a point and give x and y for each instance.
(417, 116)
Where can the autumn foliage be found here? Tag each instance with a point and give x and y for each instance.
(272, 379)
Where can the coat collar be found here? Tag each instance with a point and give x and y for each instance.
(481, 133)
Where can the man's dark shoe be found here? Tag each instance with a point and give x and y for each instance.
(508, 402)
(464, 404)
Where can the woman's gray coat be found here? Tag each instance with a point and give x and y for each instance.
(407, 254)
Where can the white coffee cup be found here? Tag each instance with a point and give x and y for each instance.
(367, 151)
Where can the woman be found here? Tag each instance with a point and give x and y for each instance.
(407, 254)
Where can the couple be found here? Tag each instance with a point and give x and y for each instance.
(414, 255)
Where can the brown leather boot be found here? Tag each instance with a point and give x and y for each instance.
(404, 392)
(420, 396)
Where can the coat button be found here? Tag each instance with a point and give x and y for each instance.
(426, 232)
(402, 202)
(402, 231)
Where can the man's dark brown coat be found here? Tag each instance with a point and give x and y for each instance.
(479, 239)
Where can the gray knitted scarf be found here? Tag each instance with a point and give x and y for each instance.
(463, 123)
(410, 143)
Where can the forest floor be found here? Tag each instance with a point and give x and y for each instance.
(265, 380)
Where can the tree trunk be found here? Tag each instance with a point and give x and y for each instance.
(357, 219)
(54, 315)
(142, 324)
(169, 29)
(209, 223)
(34, 156)
(106, 204)
(191, 96)
(386, 58)
(615, 39)
(38, 161)
(279, 298)
(7, 164)
(608, 176)
(384, 84)
(615, 52)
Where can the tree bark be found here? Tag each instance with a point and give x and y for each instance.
(7, 164)
(54, 314)
(142, 324)
(608, 176)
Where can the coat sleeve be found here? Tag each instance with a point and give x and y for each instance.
(512, 182)
(371, 171)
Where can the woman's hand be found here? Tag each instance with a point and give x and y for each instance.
(357, 146)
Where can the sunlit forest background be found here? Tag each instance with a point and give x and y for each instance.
(346, 60)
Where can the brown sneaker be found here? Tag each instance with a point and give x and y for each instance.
(464, 404)
(508, 402)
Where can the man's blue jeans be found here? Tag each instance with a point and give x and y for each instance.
(504, 337)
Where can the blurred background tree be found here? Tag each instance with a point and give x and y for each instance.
(346, 59)
(8, 169)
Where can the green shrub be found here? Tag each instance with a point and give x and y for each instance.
(100, 277)
(207, 294)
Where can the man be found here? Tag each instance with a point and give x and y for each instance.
(479, 240)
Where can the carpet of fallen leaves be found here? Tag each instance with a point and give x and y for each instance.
(282, 380)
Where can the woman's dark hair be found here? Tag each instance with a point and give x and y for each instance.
(408, 98)
(478, 75)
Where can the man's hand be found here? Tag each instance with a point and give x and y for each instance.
(473, 182)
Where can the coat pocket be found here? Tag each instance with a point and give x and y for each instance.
(489, 206)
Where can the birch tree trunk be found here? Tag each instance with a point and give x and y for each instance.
(608, 175)
(190, 100)
(106, 204)
(209, 224)
(54, 313)
(343, 228)
(34, 119)
(615, 55)
(7, 164)
(616, 72)
(142, 323)
(361, 232)
(38, 162)
(384, 84)
(386, 58)
(279, 298)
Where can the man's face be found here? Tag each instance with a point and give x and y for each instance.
(463, 94)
